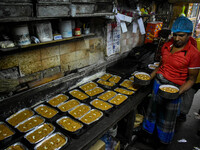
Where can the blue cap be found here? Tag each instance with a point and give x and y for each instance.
(182, 24)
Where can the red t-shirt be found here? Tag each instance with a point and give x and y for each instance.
(175, 66)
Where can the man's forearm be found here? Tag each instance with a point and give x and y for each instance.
(187, 85)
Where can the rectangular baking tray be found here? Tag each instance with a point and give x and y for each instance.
(28, 120)
(38, 127)
(94, 120)
(57, 96)
(76, 107)
(47, 138)
(18, 113)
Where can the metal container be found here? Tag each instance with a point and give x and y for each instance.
(50, 101)
(66, 117)
(25, 121)
(17, 144)
(78, 94)
(44, 115)
(8, 138)
(124, 91)
(104, 106)
(72, 112)
(63, 105)
(91, 112)
(36, 130)
(116, 99)
(60, 135)
(16, 10)
(14, 115)
(141, 81)
(88, 86)
(107, 95)
(166, 94)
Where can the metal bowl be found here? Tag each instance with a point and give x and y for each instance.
(168, 95)
(141, 81)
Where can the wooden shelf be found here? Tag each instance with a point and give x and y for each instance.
(12, 50)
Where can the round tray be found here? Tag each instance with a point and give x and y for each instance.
(140, 81)
(168, 95)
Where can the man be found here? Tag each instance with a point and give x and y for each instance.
(179, 66)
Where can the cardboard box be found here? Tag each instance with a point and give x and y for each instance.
(99, 145)
(152, 31)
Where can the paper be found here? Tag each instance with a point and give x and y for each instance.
(120, 16)
(135, 26)
(113, 39)
(123, 26)
(141, 26)
(128, 19)
(182, 141)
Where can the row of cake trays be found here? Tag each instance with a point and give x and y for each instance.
(42, 124)
(61, 98)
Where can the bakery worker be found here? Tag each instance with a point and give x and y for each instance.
(179, 66)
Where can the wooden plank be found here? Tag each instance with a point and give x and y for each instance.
(45, 80)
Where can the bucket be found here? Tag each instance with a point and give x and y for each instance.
(66, 29)
(44, 31)
(21, 34)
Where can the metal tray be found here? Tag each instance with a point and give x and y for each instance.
(67, 102)
(116, 97)
(125, 91)
(83, 99)
(76, 133)
(106, 110)
(106, 78)
(8, 138)
(106, 86)
(43, 120)
(18, 143)
(76, 108)
(106, 92)
(37, 128)
(49, 137)
(46, 106)
(115, 76)
(82, 87)
(67, 98)
(101, 114)
(14, 115)
(92, 96)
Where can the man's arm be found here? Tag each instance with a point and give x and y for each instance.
(193, 73)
